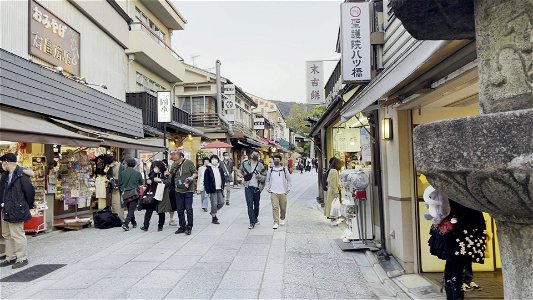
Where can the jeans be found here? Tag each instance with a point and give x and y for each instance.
(253, 196)
(205, 199)
(130, 217)
(217, 202)
(148, 217)
(184, 203)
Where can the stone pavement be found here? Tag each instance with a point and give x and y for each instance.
(226, 261)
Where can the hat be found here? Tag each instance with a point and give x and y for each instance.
(9, 157)
(131, 162)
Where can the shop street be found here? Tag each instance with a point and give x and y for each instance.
(299, 260)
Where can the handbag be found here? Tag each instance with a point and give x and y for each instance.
(130, 195)
(249, 176)
(159, 191)
(335, 208)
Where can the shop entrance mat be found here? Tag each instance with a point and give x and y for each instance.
(32, 273)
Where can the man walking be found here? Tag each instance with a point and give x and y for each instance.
(185, 172)
(16, 199)
(227, 166)
(253, 173)
(278, 184)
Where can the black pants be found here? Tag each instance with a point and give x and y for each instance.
(469, 274)
(253, 195)
(184, 203)
(148, 217)
(130, 217)
(453, 277)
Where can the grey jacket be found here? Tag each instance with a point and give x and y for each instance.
(246, 168)
(229, 168)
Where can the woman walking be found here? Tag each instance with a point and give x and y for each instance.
(213, 184)
(130, 182)
(158, 175)
(334, 188)
(200, 188)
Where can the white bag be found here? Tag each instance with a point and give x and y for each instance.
(159, 191)
(335, 208)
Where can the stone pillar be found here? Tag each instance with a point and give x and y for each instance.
(504, 39)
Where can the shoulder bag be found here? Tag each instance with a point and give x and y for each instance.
(248, 175)
(130, 195)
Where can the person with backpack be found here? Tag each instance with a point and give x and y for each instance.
(253, 173)
(278, 184)
(130, 185)
(213, 183)
(157, 175)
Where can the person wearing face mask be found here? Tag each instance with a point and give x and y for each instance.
(278, 184)
(213, 183)
(185, 173)
(200, 188)
(158, 175)
(253, 173)
(227, 166)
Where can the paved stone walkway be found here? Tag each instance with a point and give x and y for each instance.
(226, 261)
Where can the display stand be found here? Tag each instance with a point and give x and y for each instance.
(37, 223)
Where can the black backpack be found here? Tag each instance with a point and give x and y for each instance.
(325, 180)
(105, 219)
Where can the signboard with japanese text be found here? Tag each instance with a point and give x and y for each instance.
(52, 40)
(259, 123)
(314, 71)
(164, 107)
(366, 145)
(355, 42)
(229, 101)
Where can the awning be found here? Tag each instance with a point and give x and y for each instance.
(391, 77)
(116, 140)
(256, 143)
(19, 126)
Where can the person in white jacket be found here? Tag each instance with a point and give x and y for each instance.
(200, 188)
(278, 184)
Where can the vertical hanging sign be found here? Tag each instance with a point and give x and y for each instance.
(164, 107)
(355, 42)
(315, 82)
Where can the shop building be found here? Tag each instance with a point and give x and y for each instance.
(62, 98)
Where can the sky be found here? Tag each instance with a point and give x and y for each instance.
(263, 45)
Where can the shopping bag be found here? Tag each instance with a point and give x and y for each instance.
(335, 208)
(159, 191)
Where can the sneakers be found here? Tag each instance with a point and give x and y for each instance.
(282, 222)
(20, 264)
(215, 220)
(159, 228)
(465, 287)
(126, 228)
(275, 226)
(7, 263)
(180, 230)
(134, 225)
(227, 202)
(257, 222)
(144, 228)
(474, 286)
(252, 225)
(172, 223)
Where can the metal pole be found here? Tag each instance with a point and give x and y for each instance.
(165, 153)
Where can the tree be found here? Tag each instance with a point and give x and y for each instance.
(297, 119)
(317, 111)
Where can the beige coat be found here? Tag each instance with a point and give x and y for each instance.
(334, 189)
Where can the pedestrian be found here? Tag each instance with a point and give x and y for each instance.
(172, 192)
(200, 187)
(130, 185)
(213, 183)
(227, 166)
(278, 184)
(301, 166)
(113, 175)
(459, 239)
(290, 165)
(334, 188)
(16, 199)
(158, 175)
(253, 173)
(185, 172)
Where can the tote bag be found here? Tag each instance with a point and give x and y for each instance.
(159, 191)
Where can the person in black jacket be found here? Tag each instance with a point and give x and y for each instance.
(16, 198)
(459, 239)
(214, 182)
(158, 174)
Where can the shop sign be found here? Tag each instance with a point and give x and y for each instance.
(229, 101)
(164, 107)
(366, 145)
(315, 82)
(52, 40)
(355, 42)
(346, 140)
(259, 123)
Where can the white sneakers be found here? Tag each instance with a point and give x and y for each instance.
(275, 226)
(172, 223)
(282, 222)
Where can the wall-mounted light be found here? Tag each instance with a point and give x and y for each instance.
(190, 136)
(386, 129)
